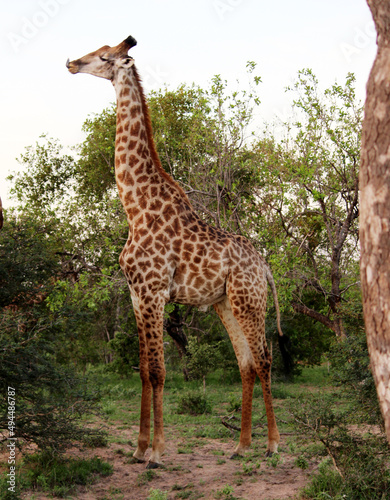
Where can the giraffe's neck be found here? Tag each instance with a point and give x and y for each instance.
(140, 177)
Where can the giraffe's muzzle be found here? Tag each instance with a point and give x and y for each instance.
(72, 66)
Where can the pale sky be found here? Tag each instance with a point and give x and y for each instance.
(179, 41)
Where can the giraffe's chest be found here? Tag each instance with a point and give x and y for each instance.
(146, 269)
(183, 271)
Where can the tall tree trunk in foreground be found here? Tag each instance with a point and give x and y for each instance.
(375, 210)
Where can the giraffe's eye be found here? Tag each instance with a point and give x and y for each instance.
(103, 58)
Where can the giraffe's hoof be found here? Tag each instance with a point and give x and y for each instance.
(235, 456)
(269, 453)
(154, 465)
(135, 460)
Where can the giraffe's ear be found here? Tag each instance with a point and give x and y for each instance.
(125, 62)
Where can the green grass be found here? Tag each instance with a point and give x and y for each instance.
(316, 376)
(121, 406)
(326, 483)
(121, 403)
(56, 476)
(146, 476)
(157, 495)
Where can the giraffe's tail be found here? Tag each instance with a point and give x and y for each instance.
(284, 341)
(271, 283)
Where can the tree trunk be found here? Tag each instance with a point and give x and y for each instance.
(174, 328)
(375, 210)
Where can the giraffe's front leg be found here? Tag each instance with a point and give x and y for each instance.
(157, 379)
(150, 314)
(158, 445)
(146, 398)
(144, 428)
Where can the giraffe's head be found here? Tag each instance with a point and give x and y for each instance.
(106, 61)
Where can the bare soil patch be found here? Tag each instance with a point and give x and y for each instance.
(200, 474)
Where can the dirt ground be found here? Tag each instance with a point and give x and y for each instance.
(200, 474)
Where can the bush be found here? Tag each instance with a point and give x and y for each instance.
(359, 453)
(50, 399)
(351, 372)
(194, 403)
(202, 358)
(360, 460)
(125, 348)
(305, 341)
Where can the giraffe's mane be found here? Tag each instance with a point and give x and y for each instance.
(149, 132)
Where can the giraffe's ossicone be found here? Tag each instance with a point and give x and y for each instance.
(171, 255)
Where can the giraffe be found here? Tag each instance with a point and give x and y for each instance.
(172, 255)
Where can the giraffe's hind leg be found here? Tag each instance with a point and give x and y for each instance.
(249, 311)
(247, 370)
(265, 378)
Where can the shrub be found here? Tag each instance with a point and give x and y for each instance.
(326, 483)
(59, 475)
(194, 403)
(202, 358)
(351, 372)
(51, 399)
(360, 460)
(235, 403)
(125, 348)
(301, 462)
(359, 454)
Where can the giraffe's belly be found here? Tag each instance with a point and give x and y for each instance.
(197, 290)
(193, 297)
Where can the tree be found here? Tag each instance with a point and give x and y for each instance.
(202, 136)
(303, 188)
(88, 292)
(375, 208)
(51, 398)
(28, 261)
(307, 198)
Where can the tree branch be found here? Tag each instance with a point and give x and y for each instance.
(301, 308)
